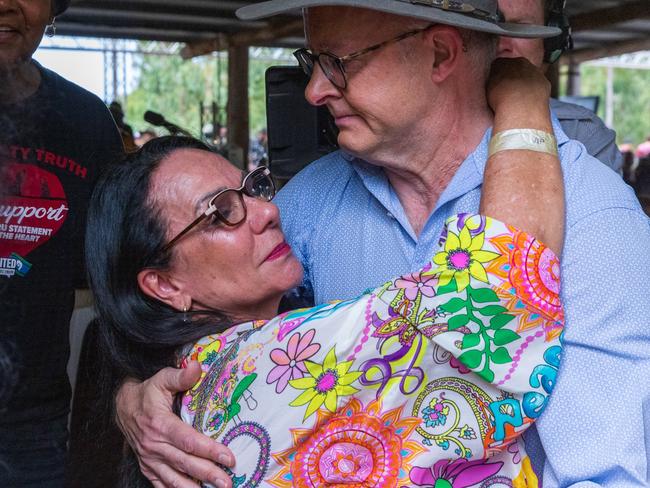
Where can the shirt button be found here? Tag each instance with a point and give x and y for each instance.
(390, 215)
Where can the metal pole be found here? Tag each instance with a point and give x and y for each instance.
(114, 59)
(609, 101)
(238, 105)
(573, 81)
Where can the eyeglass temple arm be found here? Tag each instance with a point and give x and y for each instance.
(196, 222)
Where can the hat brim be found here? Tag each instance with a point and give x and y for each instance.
(402, 7)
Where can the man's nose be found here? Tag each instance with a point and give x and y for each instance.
(320, 88)
(505, 49)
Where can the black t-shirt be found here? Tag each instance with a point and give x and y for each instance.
(55, 143)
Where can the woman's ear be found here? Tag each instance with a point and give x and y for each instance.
(447, 44)
(157, 284)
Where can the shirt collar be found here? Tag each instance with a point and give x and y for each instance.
(468, 177)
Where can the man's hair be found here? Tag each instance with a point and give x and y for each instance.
(481, 47)
(548, 5)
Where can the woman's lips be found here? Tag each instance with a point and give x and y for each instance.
(279, 251)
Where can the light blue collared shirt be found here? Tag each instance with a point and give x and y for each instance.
(347, 226)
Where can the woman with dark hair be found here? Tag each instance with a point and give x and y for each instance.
(131, 241)
(430, 378)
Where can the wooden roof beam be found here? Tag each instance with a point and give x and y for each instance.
(597, 19)
(611, 49)
(263, 36)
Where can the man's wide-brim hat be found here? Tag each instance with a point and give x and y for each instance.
(479, 15)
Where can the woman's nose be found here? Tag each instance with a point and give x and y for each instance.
(262, 214)
(320, 88)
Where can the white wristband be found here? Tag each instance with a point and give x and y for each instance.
(529, 139)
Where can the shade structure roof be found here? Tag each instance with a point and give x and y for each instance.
(601, 27)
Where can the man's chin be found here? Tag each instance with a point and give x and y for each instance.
(354, 144)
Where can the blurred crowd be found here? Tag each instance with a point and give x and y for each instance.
(636, 169)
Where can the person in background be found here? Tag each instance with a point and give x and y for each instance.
(577, 122)
(125, 129)
(630, 162)
(643, 149)
(55, 139)
(258, 152)
(144, 137)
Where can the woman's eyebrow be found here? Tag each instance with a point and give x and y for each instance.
(206, 198)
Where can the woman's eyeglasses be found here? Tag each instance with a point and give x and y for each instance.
(228, 205)
(334, 66)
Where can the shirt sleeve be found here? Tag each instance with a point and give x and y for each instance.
(490, 299)
(595, 430)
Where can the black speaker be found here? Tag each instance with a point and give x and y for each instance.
(298, 133)
(555, 46)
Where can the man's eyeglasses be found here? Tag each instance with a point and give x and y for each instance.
(334, 66)
(228, 205)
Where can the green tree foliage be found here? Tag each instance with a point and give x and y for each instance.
(631, 99)
(176, 88)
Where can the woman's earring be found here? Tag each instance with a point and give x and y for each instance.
(186, 316)
(50, 29)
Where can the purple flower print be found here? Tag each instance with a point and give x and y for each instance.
(459, 473)
(291, 363)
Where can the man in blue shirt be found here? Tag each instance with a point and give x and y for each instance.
(407, 164)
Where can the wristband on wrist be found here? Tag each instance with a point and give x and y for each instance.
(529, 139)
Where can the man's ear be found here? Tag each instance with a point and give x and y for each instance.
(447, 45)
(159, 286)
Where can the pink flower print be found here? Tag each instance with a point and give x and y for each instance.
(414, 283)
(291, 363)
(459, 473)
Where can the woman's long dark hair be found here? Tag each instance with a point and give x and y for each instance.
(125, 234)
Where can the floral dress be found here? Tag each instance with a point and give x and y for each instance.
(429, 380)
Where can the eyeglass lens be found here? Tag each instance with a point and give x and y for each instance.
(328, 63)
(259, 185)
(230, 204)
